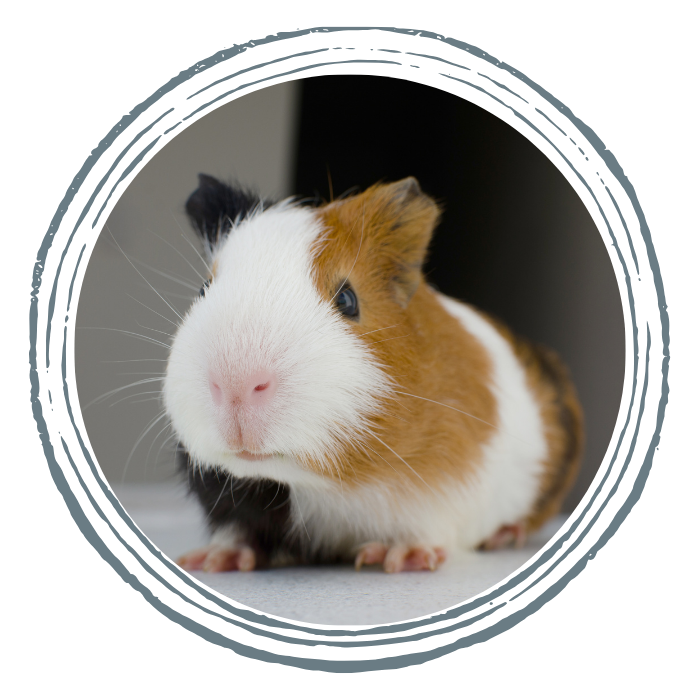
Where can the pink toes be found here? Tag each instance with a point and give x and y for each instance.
(372, 553)
(400, 558)
(215, 559)
(515, 534)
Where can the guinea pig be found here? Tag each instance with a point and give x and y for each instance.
(332, 406)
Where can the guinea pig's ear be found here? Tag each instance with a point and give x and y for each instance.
(407, 218)
(214, 207)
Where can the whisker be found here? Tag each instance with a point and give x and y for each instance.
(386, 328)
(148, 428)
(348, 192)
(133, 396)
(164, 443)
(174, 295)
(444, 405)
(145, 359)
(131, 374)
(168, 275)
(279, 484)
(111, 392)
(395, 400)
(291, 491)
(192, 245)
(153, 442)
(395, 415)
(216, 502)
(140, 325)
(408, 465)
(153, 310)
(119, 330)
(140, 275)
(166, 241)
(284, 503)
(386, 340)
(517, 437)
(382, 458)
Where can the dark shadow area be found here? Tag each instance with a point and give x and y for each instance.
(515, 240)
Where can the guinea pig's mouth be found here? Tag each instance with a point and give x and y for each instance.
(251, 457)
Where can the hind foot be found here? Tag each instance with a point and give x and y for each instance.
(506, 535)
(216, 558)
(399, 558)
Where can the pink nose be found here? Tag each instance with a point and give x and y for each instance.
(256, 390)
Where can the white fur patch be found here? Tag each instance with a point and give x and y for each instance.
(262, 310)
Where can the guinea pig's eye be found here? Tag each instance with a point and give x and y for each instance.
(204, 288)
(346, 303)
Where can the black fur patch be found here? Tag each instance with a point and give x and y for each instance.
(258, 507)
(554, 372)
(214, 206)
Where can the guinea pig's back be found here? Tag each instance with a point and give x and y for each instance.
(534, 456)
(564, 426)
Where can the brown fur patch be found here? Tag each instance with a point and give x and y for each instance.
(377, 242)
(562, 415)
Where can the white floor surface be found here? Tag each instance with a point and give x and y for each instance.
(332, 595)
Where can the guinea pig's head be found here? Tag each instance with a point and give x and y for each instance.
(285, 358)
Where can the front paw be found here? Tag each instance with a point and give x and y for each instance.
(216, 558)
(400, 558)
